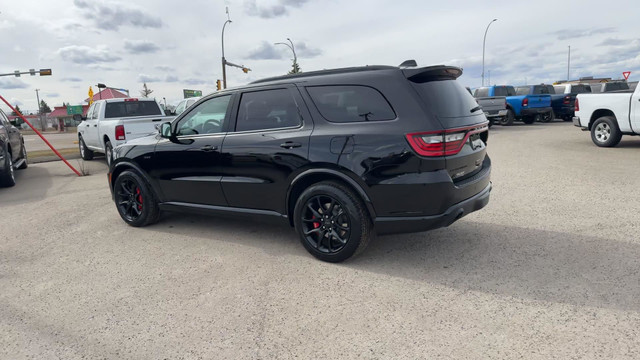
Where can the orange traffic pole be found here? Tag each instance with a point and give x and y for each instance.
(40, 134)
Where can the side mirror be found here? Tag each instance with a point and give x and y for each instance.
(165, 130)
(14, 122)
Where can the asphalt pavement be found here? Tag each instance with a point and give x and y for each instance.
(548, 270)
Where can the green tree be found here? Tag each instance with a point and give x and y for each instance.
(295, 68)
(14, 113)
(145, 92)
(44, 107)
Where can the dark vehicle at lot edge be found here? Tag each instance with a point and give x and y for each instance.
(13, 154)
(521, 107)
(494, 107)
(566, 103)
(338, 154)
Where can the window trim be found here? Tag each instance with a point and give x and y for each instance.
(289, 88)
(175, 123)
(350, 122)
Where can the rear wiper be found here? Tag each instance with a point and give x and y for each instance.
(476, 108)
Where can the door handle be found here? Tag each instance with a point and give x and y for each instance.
(96, 125)
(290, 145)
(87, 125)
(209, 148)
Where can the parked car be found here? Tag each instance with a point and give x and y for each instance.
(112, 122)
(613, 86)
(536, 103)
(562, 105)
(337, 154)
(13, 153)
(184, 104)
(494, 107)
(608, 116)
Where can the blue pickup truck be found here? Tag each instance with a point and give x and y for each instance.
(521, 105)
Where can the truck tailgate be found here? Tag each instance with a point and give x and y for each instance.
(139, 126)
(537, 101)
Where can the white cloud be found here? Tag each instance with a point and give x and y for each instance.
(86, 55)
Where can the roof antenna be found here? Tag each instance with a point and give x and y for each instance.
(227, 9)
(408, 63)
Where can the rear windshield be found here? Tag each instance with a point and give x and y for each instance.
(446, 98)
(549, 89)
(580, 89)
(617, 86)
(504, 91)
(522, 90)
(131, 108)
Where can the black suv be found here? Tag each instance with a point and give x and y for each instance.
(338, 154)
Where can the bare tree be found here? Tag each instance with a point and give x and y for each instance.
(145, 92)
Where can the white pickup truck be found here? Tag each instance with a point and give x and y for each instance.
(608, 116)
(113, 122)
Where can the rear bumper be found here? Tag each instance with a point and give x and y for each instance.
(576, 122)
(564, 111)
(495, 114)
(395, 225)
(534, 111)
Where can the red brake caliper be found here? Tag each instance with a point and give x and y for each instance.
(315, 224)
(139, 198)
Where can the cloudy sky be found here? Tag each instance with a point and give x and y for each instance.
(174, 45)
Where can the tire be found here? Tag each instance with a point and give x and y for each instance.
(508, 120)
(548, 117)
(567, 118)
(344, 226)
(7, 175)
(491, 121)
(529, 119)
(108, 152)
(605, 132)
(537, 118)
(24, 156)
(136, 202)
(85, 153)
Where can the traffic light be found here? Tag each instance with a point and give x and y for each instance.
(45, 72)
(218, 84)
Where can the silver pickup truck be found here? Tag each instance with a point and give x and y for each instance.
(494, 107)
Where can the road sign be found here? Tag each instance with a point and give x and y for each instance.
(191, 93)
(626, 74)
(90, 95)
(74, 109)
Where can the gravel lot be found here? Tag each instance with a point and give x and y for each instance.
(549, 269)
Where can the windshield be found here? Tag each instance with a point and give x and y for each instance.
(132, 108)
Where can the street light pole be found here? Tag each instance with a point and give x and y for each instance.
(483, 46)
(568, 63)
(293, 49)
(224, 61)
(42, 127)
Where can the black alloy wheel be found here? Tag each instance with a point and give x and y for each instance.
(332, 221)
(24, 156)
(136, 203)
(508, 119)
(326, 225)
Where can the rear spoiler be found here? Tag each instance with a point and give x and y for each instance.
(432, 73)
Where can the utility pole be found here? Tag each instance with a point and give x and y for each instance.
(568, 63)
(224, 61)
(42, 127)
(293, 49)
(489, 82)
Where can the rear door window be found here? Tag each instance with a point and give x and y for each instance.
(267, 109)
(131, 108)
(352, 103)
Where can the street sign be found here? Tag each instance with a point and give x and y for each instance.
(74, 109)
(191, 93)
(626, 74)
(90, 95)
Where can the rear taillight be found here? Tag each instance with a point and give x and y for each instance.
(576, 105)
(566, 100)
(120, 132)
(525, 102)
(441, 143)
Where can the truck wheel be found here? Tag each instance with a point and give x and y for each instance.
(135, 200)
(508, 120)
(7, 176)
(605, 132)
(108, 152)
(529, 119)
(85, 153)
(332, 222)
(24, 156)
(548, 117)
